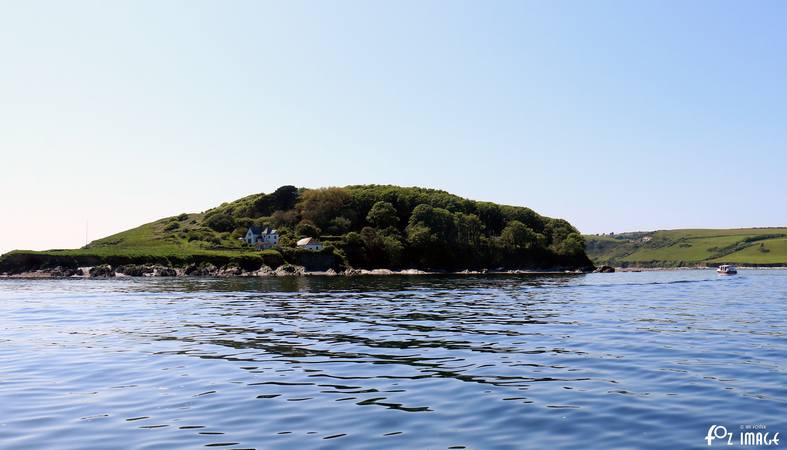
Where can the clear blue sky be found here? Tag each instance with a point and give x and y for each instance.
(614, 115)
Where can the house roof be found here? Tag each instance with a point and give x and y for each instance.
(307, 241)
(270, 231)
(254, 230)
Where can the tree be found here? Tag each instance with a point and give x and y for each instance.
(220, 222)
(282, 199)
(284, 218)
(556, 230)
(469, 228)
(307, 228)
(354, 249)
(517, 235)
(420, 236)
(439, 221)
(491, 216)
(394, 250)
(322, 205)
(573, 244)
(339, 225)
(374, 247)
(382, 215)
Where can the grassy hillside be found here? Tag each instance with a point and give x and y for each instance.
(367, 226)
(690, 247)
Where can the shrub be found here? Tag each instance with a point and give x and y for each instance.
(220, 222)
(307, 228)
(339, 225)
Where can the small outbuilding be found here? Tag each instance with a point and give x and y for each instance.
(310, 244)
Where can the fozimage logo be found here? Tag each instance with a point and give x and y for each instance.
(755, 435)
(718, 432)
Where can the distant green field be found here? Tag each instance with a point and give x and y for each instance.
(772, 251)
(690, 247)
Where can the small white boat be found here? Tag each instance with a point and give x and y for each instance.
(727, 269)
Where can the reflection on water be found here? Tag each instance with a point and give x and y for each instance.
(502, 362)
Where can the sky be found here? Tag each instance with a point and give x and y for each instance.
(614, 115)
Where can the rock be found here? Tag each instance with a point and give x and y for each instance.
(230, 270)
(331, 273)
(62, 272)
(79, 273)
(201, 270)
(263, 271)
(161, 271)
(378, 272)
(604, 269)
(134, 270)
(102, 271)
(289, 270)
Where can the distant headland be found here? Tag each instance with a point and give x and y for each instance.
(755, 247)
(350, 230)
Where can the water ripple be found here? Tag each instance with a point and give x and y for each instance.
(640, 360)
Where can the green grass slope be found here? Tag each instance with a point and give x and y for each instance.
(178, 241)
(690, 247)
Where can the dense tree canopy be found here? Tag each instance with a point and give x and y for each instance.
(517, 235)
(390, 226)
(382, 215)
(307, 228)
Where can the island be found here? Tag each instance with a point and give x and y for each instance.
(332, 230)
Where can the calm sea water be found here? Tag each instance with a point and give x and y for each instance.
(625, 360)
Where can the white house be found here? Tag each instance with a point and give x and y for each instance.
(268, 237)
(252, 234)
(310, 244)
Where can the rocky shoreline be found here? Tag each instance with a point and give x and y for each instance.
(105, 271)
(208, 270)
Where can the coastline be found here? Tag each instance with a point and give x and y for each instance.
(288, 270)
(104, 272)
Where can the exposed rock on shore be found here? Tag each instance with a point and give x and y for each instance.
(263, 271)
(161, 271)
(230, 270)
(289, 270)
(201, 270)
(143, 270)
(102, 271)
(234, 270)
(64, 272)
